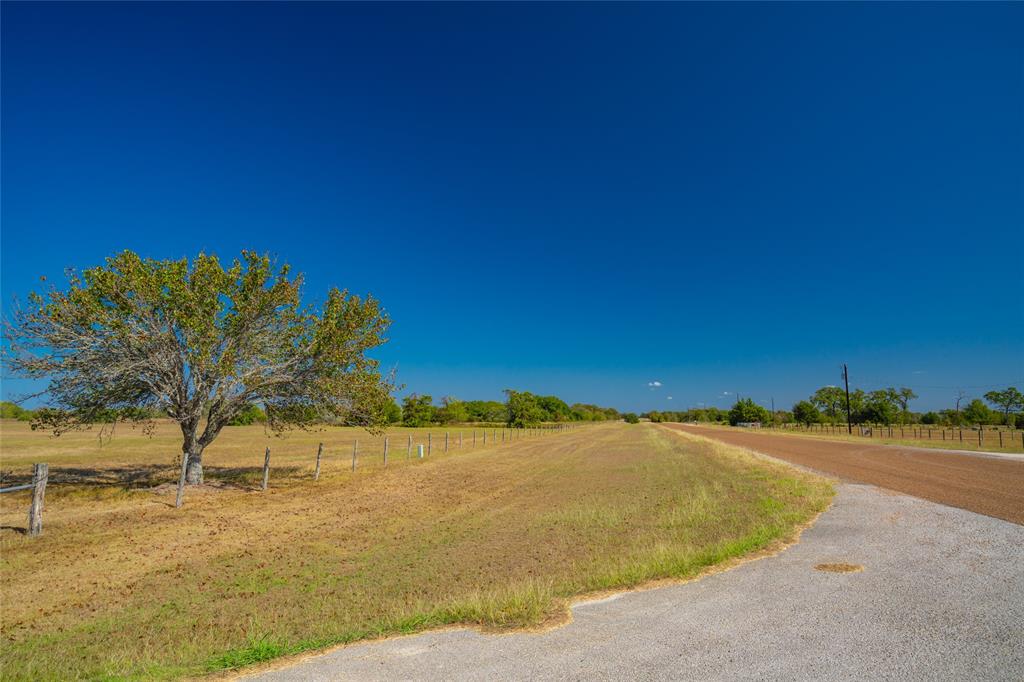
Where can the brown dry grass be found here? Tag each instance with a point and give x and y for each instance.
(122, 585)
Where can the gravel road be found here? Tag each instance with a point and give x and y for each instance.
(990, 485)
(940, 597)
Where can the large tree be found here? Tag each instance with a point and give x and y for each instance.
(746, 411)
(902, 397)
(418, 410)
(831, 400)
(1009, 400)
(881, 407)
(806, 413)
(200, 343)
(978, 412)
(523, 409)
(452, 411)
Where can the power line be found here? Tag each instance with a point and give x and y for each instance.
(1002, 383)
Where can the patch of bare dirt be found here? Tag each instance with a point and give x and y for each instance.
(839, 568)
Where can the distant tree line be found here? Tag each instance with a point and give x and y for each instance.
(711, 415)
(520, 409)
(886, 406)
(11, 410)
(892, 406)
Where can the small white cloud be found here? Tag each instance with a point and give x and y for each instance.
(654, 384)
(919, 371)
(670, 397)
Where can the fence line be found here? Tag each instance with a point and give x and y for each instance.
(40, 474)
(981, 436)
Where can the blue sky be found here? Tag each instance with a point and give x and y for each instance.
(571, 199)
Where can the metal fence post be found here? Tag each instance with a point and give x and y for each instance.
(266, 468)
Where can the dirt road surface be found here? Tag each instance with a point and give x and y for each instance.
(992, 486)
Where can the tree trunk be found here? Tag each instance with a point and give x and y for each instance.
(194, 471)
(193, 451)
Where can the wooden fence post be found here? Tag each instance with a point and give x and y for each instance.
(446, 442)
(408, 451)
(1000, 438)
(266, 469)
(40, 472)
(460, 440)
(319, 454)
(355, 449)
(474, 438)
(430, 443)
(180, 498)
(981, 432)
(385, 450)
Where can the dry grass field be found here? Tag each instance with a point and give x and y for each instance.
(122, 585)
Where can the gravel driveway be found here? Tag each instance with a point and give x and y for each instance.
(940, 597)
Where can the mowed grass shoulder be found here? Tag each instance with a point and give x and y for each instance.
(122, 585)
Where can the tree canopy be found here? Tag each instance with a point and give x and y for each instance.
(418, 410)
(1009, 400)
(520, 409)
(523, 409)
(201, 343)
(977, 412)
(746, 411)
(804, 412)
(829, 399)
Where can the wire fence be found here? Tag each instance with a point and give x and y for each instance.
(979, 436)
(338, 453)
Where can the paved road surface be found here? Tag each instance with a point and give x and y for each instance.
(941, 597)
(988, 485)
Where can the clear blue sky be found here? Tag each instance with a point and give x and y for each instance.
(571, 199)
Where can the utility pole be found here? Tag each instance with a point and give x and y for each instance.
(849, 415)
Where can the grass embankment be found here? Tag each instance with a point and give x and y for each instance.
(990, 442)
(124, 585)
